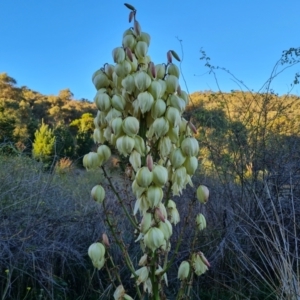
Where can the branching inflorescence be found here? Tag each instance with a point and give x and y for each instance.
(140, 107)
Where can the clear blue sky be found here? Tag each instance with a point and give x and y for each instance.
(50, 45)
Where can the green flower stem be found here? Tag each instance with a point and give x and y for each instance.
(121, 245)
(154, 280)
(132, 221)
(114, 268)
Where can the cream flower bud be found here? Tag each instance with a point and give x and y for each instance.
(163, 210)
(158, 108)
(190, 146)
(116, 126)
(109, 69)
(118, 102)
(184, 95)
(125, 144)
(145, 37)
(119, 293)
(135, 160)
(172, 84)
(146, 222)
(201, 221)
(96, 253)
(179, 180)
(143, 260)
(191, 165)
(184, 270)
(160, 175)
(159, 216)
(166, 228)
(131, 126)
(98, 193)
(163, 87)
(139, 145)
(117, 81)
(98, 136)
(128, 84)
(107, 134)
(118, 55)
(177, 158)
(141, 205)
(100, 80)
(120, 70)
(143, 274)
(202, 193)
(173, 70)
(177, 102)
(173, 215)
(112, 113)
(102, 101)
(198, 264)
(154, 238)
(104, 153)
(129, 41)
(155, 89)
(154, 195)
(165, 146)
(141, 49)
(173, 116)
(144, 177)
(160, 127)
(142, 81)
(137, 190)
(171, 204)
(145, 101)
(160, 71)
(91, 160)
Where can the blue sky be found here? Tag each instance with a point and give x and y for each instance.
(50, 45)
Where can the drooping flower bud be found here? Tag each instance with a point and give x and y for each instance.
(155, 89)
(173, 116)
(190, 146)
(154, 195)
(135, 160)
(144, 177)
(173, 70)
(166, 228)
(160, 127)
(100, 80)
(160, 175)
(201, 221)
(141, 49)
(129, 41)
(128, 83)
(104, 153)
(198, 265)
(125, 144)
(102, 101)
(158, 108)
(131, 126)
(145, 37)
(119, 293)
(165, 146)
(143, 260)
(184, 270)
(98, 193)
(202, 193)
(139, 145)
(177, 158)
(142, 81)
(118, 55)
(91, 160)
(143, 274)
(96, 252)
(177, 102)
(172, 84)
(146, 222)
(191, 165)
(145, 101)
(154, 238)
(160, 71)
(116, 126)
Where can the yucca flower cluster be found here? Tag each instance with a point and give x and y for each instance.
(140, 106)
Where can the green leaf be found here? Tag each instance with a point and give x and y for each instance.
(129, 6)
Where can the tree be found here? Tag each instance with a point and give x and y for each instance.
(43, 146)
